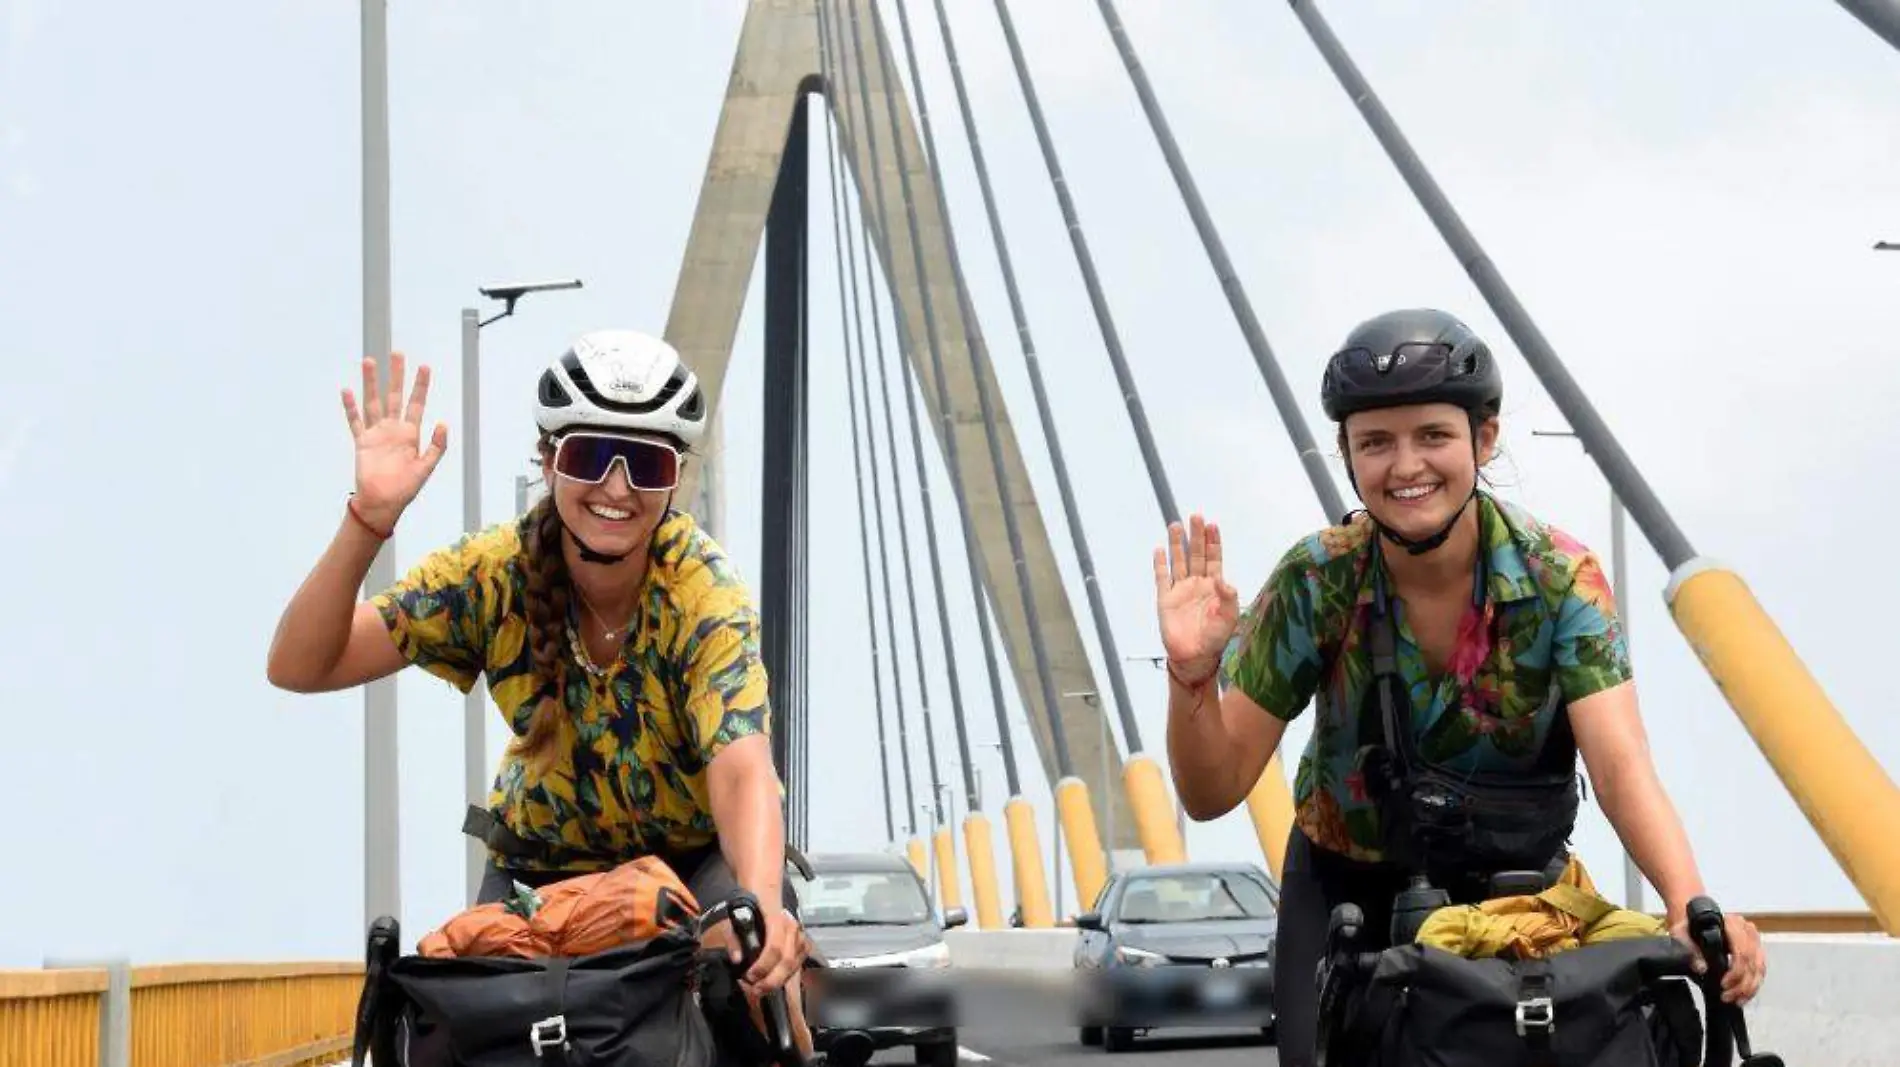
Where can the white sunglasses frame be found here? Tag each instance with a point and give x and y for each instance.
(679, 460)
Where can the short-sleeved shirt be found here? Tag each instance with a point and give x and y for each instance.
(1547, 613)
(636, 739)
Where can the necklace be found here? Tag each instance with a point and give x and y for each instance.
(607, 634)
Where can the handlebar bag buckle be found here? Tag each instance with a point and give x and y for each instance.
(550, 1032)
(1536, 1013)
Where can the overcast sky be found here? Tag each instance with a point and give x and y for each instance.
(1684, 196)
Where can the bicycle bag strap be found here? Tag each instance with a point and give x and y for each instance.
(1536, 1012)
(548, 1037)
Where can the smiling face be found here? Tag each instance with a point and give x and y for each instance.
(609, 515)
(1415, 465)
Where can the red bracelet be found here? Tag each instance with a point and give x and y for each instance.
(349, 505)
(1184, 683)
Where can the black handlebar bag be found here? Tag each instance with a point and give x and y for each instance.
(630, 1006)
(1613, 1004)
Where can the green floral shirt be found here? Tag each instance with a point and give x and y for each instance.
(636, 739)
(1547, 611)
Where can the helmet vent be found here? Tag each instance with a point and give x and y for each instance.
(624, 407)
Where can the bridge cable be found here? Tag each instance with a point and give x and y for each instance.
(1065, 489)
(1303, 443)
(909, 394)
(1880, 16)
(1110, 338)
(850, 376)
(1641, 502)
(887, 73)
(870, 447)
(890, 422)
(1031, 618)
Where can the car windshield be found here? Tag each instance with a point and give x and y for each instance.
(862, 898)
(1196, 897)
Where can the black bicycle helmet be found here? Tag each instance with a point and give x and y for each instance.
(1412, 356)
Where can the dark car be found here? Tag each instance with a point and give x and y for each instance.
(884, 961)
(1188, 944)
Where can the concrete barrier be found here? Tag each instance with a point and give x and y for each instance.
(1830, 999)
(1033, 950)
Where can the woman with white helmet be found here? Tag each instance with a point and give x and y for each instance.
(616, 638)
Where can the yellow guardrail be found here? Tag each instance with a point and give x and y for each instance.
(180, 1015)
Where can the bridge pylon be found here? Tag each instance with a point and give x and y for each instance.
(775, 67)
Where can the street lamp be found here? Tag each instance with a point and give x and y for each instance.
(1632, 878)
(474, 736)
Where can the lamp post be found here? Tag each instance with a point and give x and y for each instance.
(382, 861)
(1632, 878)
(474, 737)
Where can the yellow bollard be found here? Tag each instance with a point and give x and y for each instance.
(1085, 847)
(1154, 811)
(949, 889)
(989, 904)
(1844, 792)
(1270, 804)
(1032, 891)
(919, 862)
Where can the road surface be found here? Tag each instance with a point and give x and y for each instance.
(1037, 1029)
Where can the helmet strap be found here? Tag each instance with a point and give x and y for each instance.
(1424, 545)
(589, 554)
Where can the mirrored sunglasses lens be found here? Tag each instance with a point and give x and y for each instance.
(585, 459)
(651, 466)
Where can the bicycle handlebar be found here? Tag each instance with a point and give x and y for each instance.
(748, 926)
(1727, 1028)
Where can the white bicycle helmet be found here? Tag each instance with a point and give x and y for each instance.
(621, 380)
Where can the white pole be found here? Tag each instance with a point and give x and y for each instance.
(474, 736)
(1619, 574)
(382, 866)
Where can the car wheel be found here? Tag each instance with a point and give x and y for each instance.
(1118, 1039)
(1091, 1035)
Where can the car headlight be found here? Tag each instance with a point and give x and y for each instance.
(937, 955)
(1138, 957)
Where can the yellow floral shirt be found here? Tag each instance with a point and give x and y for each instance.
(638, 737)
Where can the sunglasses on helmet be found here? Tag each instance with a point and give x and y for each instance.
(1407, 366)
(589, 457)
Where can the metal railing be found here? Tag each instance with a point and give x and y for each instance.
(110, 1014)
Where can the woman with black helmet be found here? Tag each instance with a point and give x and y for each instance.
(1497, 633)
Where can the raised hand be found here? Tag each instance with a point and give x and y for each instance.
(391, 465)
(1197, 609)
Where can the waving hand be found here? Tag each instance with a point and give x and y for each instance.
(1197, 609)
(391, 465)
